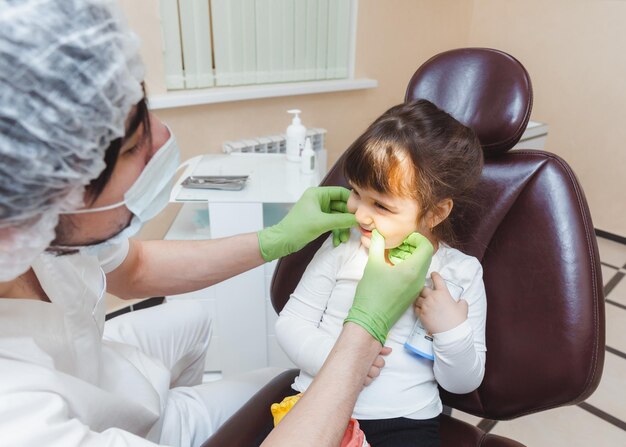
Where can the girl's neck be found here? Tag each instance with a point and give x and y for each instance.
(435, 243)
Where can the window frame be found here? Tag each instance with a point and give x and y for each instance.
(181, 97)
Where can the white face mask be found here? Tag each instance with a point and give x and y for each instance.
(146, 198)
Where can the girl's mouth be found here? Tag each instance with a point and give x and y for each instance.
(364, 232)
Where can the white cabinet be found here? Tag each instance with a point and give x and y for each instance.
(243, 331)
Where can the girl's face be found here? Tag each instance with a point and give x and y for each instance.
(394, 217)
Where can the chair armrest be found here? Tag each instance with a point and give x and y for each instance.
(251, 424)
(456, 433)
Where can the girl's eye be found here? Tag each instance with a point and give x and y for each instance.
(355, 193)
(381, 207)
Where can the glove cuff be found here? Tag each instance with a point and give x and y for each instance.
(268, 241)
(375, 326)
(273, 243)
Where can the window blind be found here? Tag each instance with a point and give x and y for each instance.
(211, 43)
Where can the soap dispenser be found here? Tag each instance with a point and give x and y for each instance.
(296, 134)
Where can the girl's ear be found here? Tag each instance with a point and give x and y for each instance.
(441, 212)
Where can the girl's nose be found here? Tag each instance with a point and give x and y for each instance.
(362, 216)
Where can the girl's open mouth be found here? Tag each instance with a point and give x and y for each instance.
(364, 232)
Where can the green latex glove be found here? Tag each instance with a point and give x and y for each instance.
(340, 235)
(319, 210)
(386, 291)
(405, 249)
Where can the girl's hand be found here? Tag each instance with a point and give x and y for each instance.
(436, 308)
(376, 366)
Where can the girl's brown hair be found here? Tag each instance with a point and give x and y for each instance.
(445, 159)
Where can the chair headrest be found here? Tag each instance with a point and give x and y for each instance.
(485, 89)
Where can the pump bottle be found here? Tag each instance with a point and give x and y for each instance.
(307, 159)
(296, 133)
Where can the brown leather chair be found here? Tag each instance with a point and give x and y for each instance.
(532, 232)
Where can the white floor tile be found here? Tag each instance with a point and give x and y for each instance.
(616, 328)
(607, 273)
(562, 427)
(618, 293)
(612, 252)
(610, 396)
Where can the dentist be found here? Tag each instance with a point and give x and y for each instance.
(83, 165)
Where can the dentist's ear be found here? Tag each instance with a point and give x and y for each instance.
(159, 134)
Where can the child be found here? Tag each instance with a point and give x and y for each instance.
(406, 172)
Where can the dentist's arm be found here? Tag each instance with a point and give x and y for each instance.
(154, 268)
(320, 417)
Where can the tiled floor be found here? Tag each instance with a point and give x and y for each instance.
(601, 420)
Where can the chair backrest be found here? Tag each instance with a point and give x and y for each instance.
(531, 229)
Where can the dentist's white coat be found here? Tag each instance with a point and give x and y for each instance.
(62, 385)
(59, 383)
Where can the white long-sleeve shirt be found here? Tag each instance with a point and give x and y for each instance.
(312, 319)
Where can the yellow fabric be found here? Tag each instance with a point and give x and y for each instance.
(280, 410)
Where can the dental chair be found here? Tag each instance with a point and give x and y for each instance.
(530, 227)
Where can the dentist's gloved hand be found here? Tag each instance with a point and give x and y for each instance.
(386, 291)
(340, 235)
(319, 210)
(405, 249)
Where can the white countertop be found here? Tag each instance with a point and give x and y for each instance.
(272, 179)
